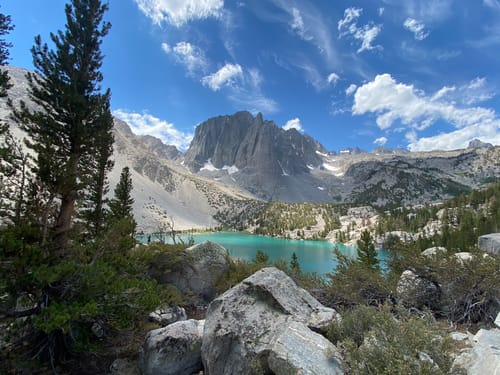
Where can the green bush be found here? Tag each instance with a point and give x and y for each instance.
(381, 341)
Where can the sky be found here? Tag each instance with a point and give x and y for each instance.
(415, 74)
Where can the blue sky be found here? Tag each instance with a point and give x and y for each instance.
(417, 74)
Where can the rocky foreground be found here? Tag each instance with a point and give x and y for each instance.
(268, 325)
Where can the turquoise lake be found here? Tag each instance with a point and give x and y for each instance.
(313, 256)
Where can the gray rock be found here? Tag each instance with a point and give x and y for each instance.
(459, 336)
(483, 358)
(434, 251)
(298, 350)
(173, 350)
(490, 243)
(196, 271)
(122, 366)
(166, 315)
(244, 324)
(497, 320)
(417, 291)
(464, 256)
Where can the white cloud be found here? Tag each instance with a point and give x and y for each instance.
(417, 28)
(297, 24)
(249, 93)
(293, 124)
(380, 141)
(365, 34)
(381, 11)
(333, 78)
(225, 76)
(189, 55)
(143, 123)
(351, 89)
(180, 12)
(392, 101)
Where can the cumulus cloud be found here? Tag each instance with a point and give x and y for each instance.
(192, 57)
(293, 124)
(417, 28)
(351, 89)
(180, 12)
(332, 78)
(380, 141)
(225, 76)
(144, 123)
(366, 34)
(392, 102)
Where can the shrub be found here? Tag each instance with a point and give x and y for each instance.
(377, 341)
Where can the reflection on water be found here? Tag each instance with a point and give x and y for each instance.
(313, 256)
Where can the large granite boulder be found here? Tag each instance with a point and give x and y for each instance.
(195, 271)
(414, 290)
(173, 350)
(483, 358)
(434, 251)
(490, 243)
(265, 324)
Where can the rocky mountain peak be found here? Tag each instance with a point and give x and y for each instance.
(476, 143)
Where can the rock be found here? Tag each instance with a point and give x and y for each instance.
(490, 243)
(434, 251)
(195, 272)
(459, 336)
(122, 366)
(173, 350)
(464, 256)
(298, 350)
(483, 358)
(166, 315)
(98, 329)
(497, 320)
(417, 291)
(245, 323)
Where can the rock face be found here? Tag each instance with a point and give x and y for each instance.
(266, 324)
(490, 243)
(483, 358)
(196, 272)
(173, 350)
(434, 251)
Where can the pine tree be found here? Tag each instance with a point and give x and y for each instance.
(66, 87)
(366, 251)
(121, 205)
(294, 263)
(5, 28)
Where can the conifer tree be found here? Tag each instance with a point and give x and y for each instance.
(294, 263)
(5, 28)
(66, 88)
(121, 205)
(366, 251)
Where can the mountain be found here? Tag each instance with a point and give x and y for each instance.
(163, 190)
(255, 155)
(236, 163)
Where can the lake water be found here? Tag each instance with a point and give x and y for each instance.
(313, 256)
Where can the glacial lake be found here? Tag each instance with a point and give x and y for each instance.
(313, 256)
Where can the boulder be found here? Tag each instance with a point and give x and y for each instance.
(166, 315)
(417, 291)
(250, 327)
(497, 320)
(483, 357)
(195, 271)
(434, 251)
(173, 350)
(298, 350)
(490, 243)
(464, 256)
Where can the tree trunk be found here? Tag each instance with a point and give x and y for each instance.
(64, 220)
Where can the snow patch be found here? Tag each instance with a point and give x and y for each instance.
(209, 166)
(336, 170)
(282, 170)
(321, 188)
(231, 169)
(310, 167)
(321, 154)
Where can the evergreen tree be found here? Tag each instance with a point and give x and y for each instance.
(294, 263)
(5, 28)
(366, 251)
(121, 205)
(73, 107)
